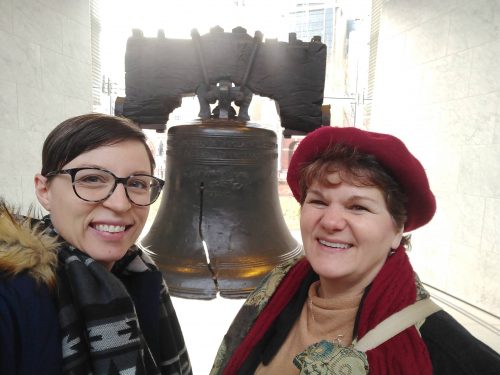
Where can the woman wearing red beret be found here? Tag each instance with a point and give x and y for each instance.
(352, 304)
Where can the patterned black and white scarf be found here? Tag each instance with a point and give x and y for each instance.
(100, 324)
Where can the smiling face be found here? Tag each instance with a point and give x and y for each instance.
(347, 232)
(103, 230)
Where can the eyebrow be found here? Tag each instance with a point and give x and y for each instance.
(91, 166)
(361, 197)
(350, 198)
(313, 191)
(100, 167)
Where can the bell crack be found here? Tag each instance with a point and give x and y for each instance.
(204, 243)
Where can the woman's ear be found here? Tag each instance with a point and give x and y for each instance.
(397, 239)
(42, 191)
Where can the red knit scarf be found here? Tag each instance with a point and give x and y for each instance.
(392, 289)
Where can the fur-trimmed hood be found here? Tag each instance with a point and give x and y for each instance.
(23, 248)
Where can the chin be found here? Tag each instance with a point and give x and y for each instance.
(329, 272)
(111, 256)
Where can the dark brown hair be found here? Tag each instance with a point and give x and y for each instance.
(359, 169)
(80, 134)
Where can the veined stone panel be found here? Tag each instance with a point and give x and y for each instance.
(479, 171)
(8, 105)
(437, 88)
(38, 111)
(45, 77)
(19, 60)
(38, 24)
(11, 192)
(64, 75)
(485, 72)
(76, 36)
(473, 23)
(76, 10)
(6, 15)
(490, 240)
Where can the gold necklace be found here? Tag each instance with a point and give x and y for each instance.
(311, 309)
(338, 339)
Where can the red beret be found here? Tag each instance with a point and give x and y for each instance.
(389, 151)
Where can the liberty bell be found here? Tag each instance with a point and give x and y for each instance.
(219, 227)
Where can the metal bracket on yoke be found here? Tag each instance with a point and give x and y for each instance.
(224, 91)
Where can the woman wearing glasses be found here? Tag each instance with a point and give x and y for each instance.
(77, 296)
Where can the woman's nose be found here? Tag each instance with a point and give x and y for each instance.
(333, 219)
(118, 200)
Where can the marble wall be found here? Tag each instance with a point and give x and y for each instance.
(438, 88)
(45, 77)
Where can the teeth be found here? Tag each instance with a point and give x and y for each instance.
(335, 245)
(110, 228)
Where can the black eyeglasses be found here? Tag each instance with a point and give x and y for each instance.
(97, 185)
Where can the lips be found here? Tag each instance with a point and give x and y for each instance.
(335, 245)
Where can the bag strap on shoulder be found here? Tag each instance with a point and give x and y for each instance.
(397, 323)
